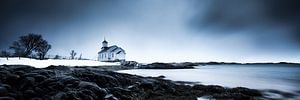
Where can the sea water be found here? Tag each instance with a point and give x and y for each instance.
(283, 78)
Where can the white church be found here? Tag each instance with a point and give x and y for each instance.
(111, 53)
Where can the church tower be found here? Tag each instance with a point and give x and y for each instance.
(104, 44)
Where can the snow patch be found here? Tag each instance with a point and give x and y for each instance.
(45, 63)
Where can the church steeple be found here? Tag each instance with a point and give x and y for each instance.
(104, 43)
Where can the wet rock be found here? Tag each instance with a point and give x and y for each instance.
(26, 83)
(246, 91)
(7, 98)
(110, 97)
(210, 88)
(30, 93)
(129, 63)
(36, 98)
(100, 79)
(59, 96)
(12, 78)
(60, 68)
(3, 91)
(161, 76)
(93, 87)
(166, 66)
(84, 83)
(148, 83)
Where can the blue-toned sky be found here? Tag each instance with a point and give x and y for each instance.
(161, 30)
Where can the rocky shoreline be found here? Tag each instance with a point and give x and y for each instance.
(19, 82)
(168, 66)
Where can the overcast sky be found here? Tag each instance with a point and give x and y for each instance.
(161, 30)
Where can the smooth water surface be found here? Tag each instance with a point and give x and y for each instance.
(284, 78)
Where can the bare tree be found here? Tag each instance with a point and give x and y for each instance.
(26, 44)
(80, 57)
(73, 54)
(42, 49)
(5, 54)
(18, 49)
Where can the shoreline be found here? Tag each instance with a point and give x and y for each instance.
(19, 81)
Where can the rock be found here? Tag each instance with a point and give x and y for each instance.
(246, 91)
(123, 94)
(20, 73)
(27, 82)
(35, 98)
(110, 97)
(7, 98)
(59, 96)
(29, 93)
(161, 76)
(6, 86)
(100, 79)
(93, 87)
(72, 95)
(60, 68)
(165, 66)
(185, 65)
(3, 91)
(12, 79)
(209, 88)
(85, 83)
(129, 63)
(88, 95)
(39, 78)
(148, 84)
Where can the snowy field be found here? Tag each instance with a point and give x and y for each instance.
(46, 63)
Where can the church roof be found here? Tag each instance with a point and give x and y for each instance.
(104, 41)
(111, 49)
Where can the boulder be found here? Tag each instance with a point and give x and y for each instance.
(3, 91)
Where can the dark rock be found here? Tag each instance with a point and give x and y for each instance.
(59, 96)
(129, 63)
(246, 91)
(100, 79)
(72, 95)
(93, 87)
(27, 82)
(148, 84)
(6, 86)
(110, 97)
(210, 88)
(29, 93)
(3, 91)
(12, 78)
(39, 78)
(165, 66)
(36, 98)
(60, 68)
(7, 98)
(86, 83)
(161, 76)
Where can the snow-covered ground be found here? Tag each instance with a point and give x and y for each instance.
(46, 63)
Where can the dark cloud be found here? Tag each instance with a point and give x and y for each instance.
(26, 15)
(256, 15)
(81, 24)
(48, 16)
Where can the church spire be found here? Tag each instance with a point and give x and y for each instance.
(104, 43)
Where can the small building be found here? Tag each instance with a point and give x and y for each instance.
(111, 53)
